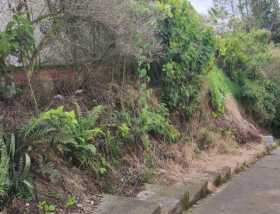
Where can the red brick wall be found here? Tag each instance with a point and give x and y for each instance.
(45, 74)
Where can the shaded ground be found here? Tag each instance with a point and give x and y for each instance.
(256, 191)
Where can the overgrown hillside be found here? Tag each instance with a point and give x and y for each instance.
(142, 90)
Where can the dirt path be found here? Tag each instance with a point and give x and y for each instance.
(174, 172)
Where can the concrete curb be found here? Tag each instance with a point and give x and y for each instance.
(222, 176)
(175, 199)
(120, 205)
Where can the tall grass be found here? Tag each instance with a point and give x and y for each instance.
(220, 86)
(217, 78)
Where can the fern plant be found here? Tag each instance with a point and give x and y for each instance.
(71, 133)
(138, 125)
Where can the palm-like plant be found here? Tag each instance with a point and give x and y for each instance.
(14, 170)
(4, 171)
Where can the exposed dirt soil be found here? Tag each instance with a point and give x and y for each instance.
(241, 140)
(244, 130)
(170, 163)
(200, 163)
(54, 184)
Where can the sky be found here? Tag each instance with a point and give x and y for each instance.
(202, 6)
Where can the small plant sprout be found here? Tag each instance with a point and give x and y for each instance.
(71, 201)
(46, 207)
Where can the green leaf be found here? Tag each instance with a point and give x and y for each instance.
(13, 146)
(27, 166)
(91, 148)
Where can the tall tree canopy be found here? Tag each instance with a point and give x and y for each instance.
(263, 14)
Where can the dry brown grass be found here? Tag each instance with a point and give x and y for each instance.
(197, 164)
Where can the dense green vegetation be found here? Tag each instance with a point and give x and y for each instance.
(17, 40)
(243, 56)
(193, 54)
(190, 48)
(220, 85)
(15, 167)
(70, 133)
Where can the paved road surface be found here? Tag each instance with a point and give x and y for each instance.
(255, 191)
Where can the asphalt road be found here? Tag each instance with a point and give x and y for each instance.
(255, 191)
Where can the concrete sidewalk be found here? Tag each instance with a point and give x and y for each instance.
(255, 191)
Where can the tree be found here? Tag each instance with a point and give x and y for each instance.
(18, 38)
(262, 14)
(266, 14)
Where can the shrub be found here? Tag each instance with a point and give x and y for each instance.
(150, 120)
(71, 134)
(261, 100)
(217, 99)
(220, 85)
(17, 40)
(206, 138)
(275, 124)
(276, 33)
(242, 55)
(189, 49)
(272, 74)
